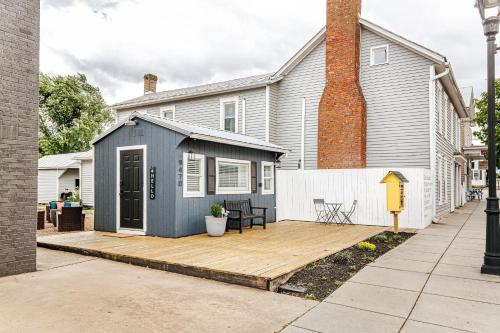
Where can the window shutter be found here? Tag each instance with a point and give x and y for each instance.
(254, 177)
(211, 176)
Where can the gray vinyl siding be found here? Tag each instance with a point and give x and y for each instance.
(445, 149)
(397, 98)
(273, 113)
(191, 212)
(161, 145)
(307, 80)
(206, 111)
(170, 214)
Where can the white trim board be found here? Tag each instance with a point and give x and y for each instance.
(144, 191)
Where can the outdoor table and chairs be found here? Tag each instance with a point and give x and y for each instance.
(330, 212)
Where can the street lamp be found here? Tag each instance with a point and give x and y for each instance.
(490, 12)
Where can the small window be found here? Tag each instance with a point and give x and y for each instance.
(267, 178)
(233, 176)
(194, 176)
(229, 114)
(379, 55)
(168, 112)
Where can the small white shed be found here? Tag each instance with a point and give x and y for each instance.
(57, 173)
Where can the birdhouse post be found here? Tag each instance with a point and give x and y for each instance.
(395, 191)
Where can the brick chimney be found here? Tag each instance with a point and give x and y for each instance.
(150, 83)
(342, 110)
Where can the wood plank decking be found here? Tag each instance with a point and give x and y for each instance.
(257, 258)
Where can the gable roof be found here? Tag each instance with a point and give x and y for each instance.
(266, 79)
(87, 155)
(199, 132)
(250, 82)
(61, 161)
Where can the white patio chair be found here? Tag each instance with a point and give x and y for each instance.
(322, 212)
(347, 215)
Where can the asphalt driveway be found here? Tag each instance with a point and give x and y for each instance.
(73, 293)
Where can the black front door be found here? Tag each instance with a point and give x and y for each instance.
(131, 189)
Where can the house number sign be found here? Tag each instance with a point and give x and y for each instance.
(152, 183)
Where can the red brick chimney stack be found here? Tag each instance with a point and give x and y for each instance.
(342, 110)
(150, 81)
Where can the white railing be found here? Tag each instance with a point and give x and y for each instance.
(296, 189)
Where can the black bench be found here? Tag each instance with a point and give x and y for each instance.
(240, 211)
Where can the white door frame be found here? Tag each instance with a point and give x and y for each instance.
(144, 190)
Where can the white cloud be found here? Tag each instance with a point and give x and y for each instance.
(194, 41)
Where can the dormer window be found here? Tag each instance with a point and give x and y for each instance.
(168, 112)
(379, 55)
(229, 114)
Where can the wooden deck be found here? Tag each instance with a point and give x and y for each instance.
(257, 258)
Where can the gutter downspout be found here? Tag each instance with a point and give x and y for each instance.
(433, 130)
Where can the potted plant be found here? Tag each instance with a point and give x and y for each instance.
(75, 198)
(216, 223)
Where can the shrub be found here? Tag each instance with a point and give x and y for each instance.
(397, 238)
(344, 257)
(381, 238)
(216, 210)
(365, 246)
(368, 259)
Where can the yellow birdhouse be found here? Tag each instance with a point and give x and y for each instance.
(395, 182)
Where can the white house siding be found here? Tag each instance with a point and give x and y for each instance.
(206, 111)
(306, 80)
(87, 182)
(67, 180)
(47, 185)
(397, 97)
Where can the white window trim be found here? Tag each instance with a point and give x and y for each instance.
(201, 192)
(223, 101)
(145, 191)
(372, 57)
(243, 115)
(167, 108)
(264, 191)
(232, 191)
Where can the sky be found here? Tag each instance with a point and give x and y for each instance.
(190, 42)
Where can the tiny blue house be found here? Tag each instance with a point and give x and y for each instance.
(159, 177)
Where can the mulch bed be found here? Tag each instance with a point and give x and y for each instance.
(324, 276)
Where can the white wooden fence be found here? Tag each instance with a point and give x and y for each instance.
(296, 189)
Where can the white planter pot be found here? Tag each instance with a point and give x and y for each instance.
(216, 226)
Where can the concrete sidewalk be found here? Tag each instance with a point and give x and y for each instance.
(431, 283)
(73, 293)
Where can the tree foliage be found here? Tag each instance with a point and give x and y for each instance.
(72, 113)
(482, 118)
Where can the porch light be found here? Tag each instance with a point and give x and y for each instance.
(191, 155)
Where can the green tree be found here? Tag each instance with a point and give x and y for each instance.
(72, 113)
(482, 118)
